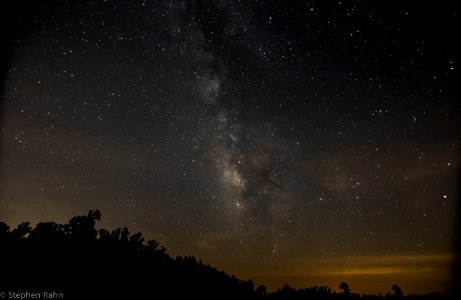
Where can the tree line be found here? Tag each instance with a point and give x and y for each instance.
(79, 261)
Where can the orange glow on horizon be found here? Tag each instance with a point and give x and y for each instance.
(415, 274)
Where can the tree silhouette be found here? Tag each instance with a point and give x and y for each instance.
(22, 231)
(82, 227)
(78, 259)
(345, 287)
(397, 291)
(261, 290)
(4, 231)
(47, 231)
(82, 262)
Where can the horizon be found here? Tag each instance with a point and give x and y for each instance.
(382, 271)
(289, 142)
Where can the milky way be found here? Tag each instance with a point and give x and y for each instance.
(303, 143)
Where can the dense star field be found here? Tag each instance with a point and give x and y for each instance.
(299, 142)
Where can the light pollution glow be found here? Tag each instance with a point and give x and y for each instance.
(373, 274)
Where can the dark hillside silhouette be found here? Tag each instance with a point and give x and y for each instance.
(81, 262)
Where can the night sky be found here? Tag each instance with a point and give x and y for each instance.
(299, 142)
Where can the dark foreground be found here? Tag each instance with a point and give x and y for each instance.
(76, 261)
